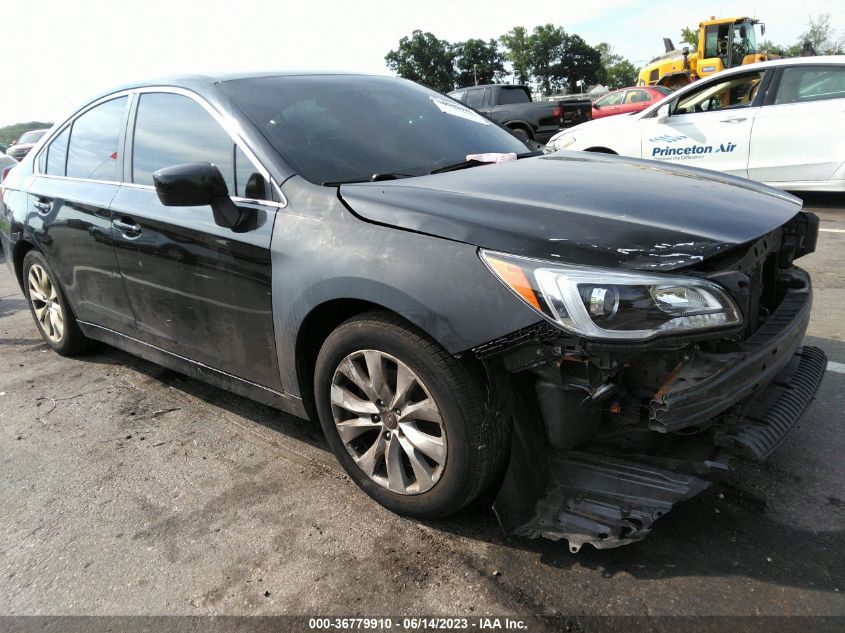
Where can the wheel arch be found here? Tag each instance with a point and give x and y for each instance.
(21, 248)
(598, 149)
(321, 321)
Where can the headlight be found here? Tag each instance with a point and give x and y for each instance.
(563, 142)
(611, 304)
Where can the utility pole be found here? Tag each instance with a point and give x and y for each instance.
(474, 73)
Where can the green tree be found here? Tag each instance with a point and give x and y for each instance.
(821, 34)
(425, 59)
(476, 62)
(546, 46)
(616, 71)
(13, 132)
(577, 61)
(689, 37)
(622, 73)
(770, 48)
(517, 44)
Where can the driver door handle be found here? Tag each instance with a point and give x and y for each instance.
(738, 119)
(43, 206)
(126, 228)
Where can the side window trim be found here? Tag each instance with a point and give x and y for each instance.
(68, 125)
(236, 142)
(127, 137)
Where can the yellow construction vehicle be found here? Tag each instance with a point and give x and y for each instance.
(722, 44)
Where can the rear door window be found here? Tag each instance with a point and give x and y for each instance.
(636, 96)
(94, 142)
(57, 154)
(509, 95)
(811, 83)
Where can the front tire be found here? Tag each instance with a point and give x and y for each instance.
(49, 307)
(406, 420)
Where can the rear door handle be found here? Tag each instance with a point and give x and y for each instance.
(738, 119)
(127, 228)
(43, 206)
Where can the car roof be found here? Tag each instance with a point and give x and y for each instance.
(789, 61)
(215, 78)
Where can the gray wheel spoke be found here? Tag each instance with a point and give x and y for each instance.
(57, 323)
(422, 471)
(378, 402)
(423, 410)
(404, 381)
(352, 403)
(378, 378)
(349, 369)
(351, 429)
(368, 460)
(35, 294)
(397, 480)
(431, 445)
(44, 297)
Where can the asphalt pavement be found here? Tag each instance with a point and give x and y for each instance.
(128, 489)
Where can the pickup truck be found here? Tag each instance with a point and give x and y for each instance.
(511, 105)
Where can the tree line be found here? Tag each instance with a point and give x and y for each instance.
(549, 57)
(13, 132)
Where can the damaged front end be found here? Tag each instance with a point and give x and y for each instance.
(610, 431)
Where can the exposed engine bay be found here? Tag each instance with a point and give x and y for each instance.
(608, 435)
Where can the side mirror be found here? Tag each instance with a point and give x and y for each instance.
(597, 106)
(196, 185)
(663, 114)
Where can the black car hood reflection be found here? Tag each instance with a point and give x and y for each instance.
(584, 208)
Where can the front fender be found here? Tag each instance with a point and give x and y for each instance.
(322, 252)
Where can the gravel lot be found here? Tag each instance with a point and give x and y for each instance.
(129, 489)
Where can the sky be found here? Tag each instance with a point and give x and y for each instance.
(59, 53)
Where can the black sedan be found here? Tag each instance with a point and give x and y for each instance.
(594, 335)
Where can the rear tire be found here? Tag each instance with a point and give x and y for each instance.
(521, 134)
(462, 448)
(49, 307)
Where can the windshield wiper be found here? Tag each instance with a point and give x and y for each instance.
(474, 163)
(377, 177)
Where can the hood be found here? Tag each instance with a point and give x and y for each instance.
(581, 208)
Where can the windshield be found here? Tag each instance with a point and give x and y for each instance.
(338, 128)
(744, 43)
(31, 137)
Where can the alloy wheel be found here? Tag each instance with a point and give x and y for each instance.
(388, 422)
(45, 303)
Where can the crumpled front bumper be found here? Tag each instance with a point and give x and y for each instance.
(608, 501)
(748, 401)
(709, 384)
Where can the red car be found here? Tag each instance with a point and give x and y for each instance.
(26, 142)
(627, 100)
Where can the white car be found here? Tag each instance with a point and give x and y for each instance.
(781, 122)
